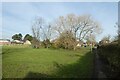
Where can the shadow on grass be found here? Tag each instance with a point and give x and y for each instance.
(83, 68)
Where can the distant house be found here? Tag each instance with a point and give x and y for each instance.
(79, 44)
(17, 42)
(27, 42)
(115, 41)
(104, 42)
(5, 42)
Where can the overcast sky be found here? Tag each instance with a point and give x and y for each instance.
(17, 17)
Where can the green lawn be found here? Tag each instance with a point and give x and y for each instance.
(24, 62)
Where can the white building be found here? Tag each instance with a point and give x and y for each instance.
(5, 42)
(17, 42)
(27, 42)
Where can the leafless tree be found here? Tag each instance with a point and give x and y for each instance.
(90, 39)
(118, 32)
(86, 25)
(80, 26)
(36, 30)
(105, 39)
(47, 32)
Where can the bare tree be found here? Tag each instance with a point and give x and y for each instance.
(66, 24)
(118, 31)
(86, 24)
(47, 31)
(80, 26)
(90, 39)
(36, 28)
(59, 25)
(105, 39)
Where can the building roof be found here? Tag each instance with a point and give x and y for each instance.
(4, 40)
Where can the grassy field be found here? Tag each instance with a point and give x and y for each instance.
(26, 62)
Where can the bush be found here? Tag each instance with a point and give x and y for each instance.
(65, 41)
(110, 54)
(35, 43)
(46, 43)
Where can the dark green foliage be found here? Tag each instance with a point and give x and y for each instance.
(28, 37)
(17, 36)
(110, 54)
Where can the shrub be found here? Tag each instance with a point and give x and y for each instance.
(65, 41)
(110, 53)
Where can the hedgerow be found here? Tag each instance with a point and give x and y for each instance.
(110, 55)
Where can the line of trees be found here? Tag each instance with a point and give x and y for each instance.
(67, 30)
(19, 37)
